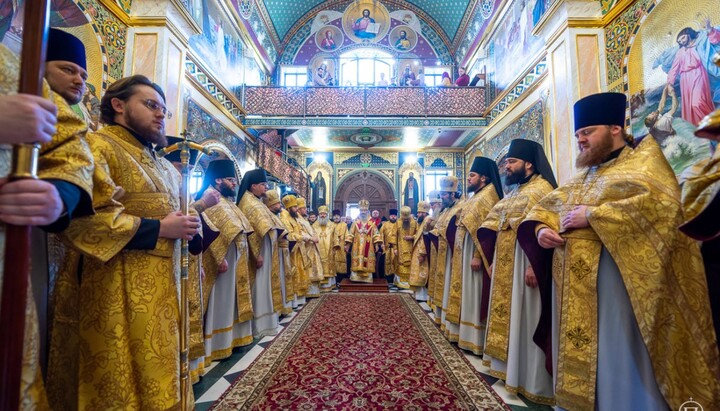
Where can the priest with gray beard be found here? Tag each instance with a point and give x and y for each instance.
(324, 229)
(272, 202)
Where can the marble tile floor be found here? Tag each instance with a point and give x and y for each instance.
(221, 374)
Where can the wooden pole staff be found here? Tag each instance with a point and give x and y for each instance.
(17, 243)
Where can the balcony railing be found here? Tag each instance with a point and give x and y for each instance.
(365, 101)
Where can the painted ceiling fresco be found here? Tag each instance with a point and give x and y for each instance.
(448, 14)
(400, 138)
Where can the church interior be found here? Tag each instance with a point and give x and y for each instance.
(346, 101)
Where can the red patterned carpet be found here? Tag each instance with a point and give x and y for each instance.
(360, 352)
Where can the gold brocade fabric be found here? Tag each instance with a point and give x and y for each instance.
(441, 231)
(66, 157)
(633, 211)
(264, 222)
(326, 244)
(340, 255)
(504, 218)
(301, 271)
(129, 312)
(471, 216)
(234, 228)
(363, 234)
(405, 248)
(312, 252)
(284, 253)
(388, 234)
(699, 190)
(419, 271)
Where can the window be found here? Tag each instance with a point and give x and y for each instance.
(363, 67)
(433, 75)
(196, 180)
(432, 180)
(293, 76)
(353, 210)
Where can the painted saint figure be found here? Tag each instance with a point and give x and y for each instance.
(328, 43)
(410, 193)
(691, 66)
(360, 27)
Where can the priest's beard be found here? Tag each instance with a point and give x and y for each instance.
(364, 215)
(226, 190)
(405, 223)
(293, 214)
(323, 221)
(276, 212)
(145, 130)
(593, 155)
(393, 219)
(471, 188)
(515, 177)
(421, 218)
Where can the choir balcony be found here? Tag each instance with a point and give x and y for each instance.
(364, 102)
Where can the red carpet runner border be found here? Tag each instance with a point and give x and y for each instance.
(360, 352)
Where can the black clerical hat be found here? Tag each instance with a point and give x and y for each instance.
(488, 168)
(66, 47)
(252, 177)
(602, 109)
(532, 152)
(216, 169)
(393, 212)
(175, 155)
(336, 212)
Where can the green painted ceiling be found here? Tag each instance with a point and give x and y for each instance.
(447, 13)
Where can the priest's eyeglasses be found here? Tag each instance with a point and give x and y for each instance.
(231, 180)
(155, 106)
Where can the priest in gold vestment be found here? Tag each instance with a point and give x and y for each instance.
(339, 253)
(287, 292)
(310, 250)
(266, 289)
(226, 263)
(65, 160)
(419, 260)
(364, 239)
(445, 229)
(131, 249)
(515, 299)
(388, 235)
(470, 284)
(297, 237)
(406, 228)
(635, 330)
(325, 230)
(701, 203)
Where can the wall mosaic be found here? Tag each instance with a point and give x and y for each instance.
(304, 43)
(206, 83)
(669, 75)
(203, 126)
(529, 126)
(530, 79)
(483, 14)
(512, 38)
(253, 21)
(365, 159)
(219, 47)
(102, 33)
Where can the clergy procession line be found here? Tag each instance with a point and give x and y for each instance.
(584, 296)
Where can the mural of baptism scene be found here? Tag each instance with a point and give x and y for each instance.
(360, 204)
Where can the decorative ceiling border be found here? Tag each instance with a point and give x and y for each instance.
(293, 122)
(269, 26)
(213, 91)
(467, 19)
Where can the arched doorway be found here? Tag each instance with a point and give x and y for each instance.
(368, 185)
